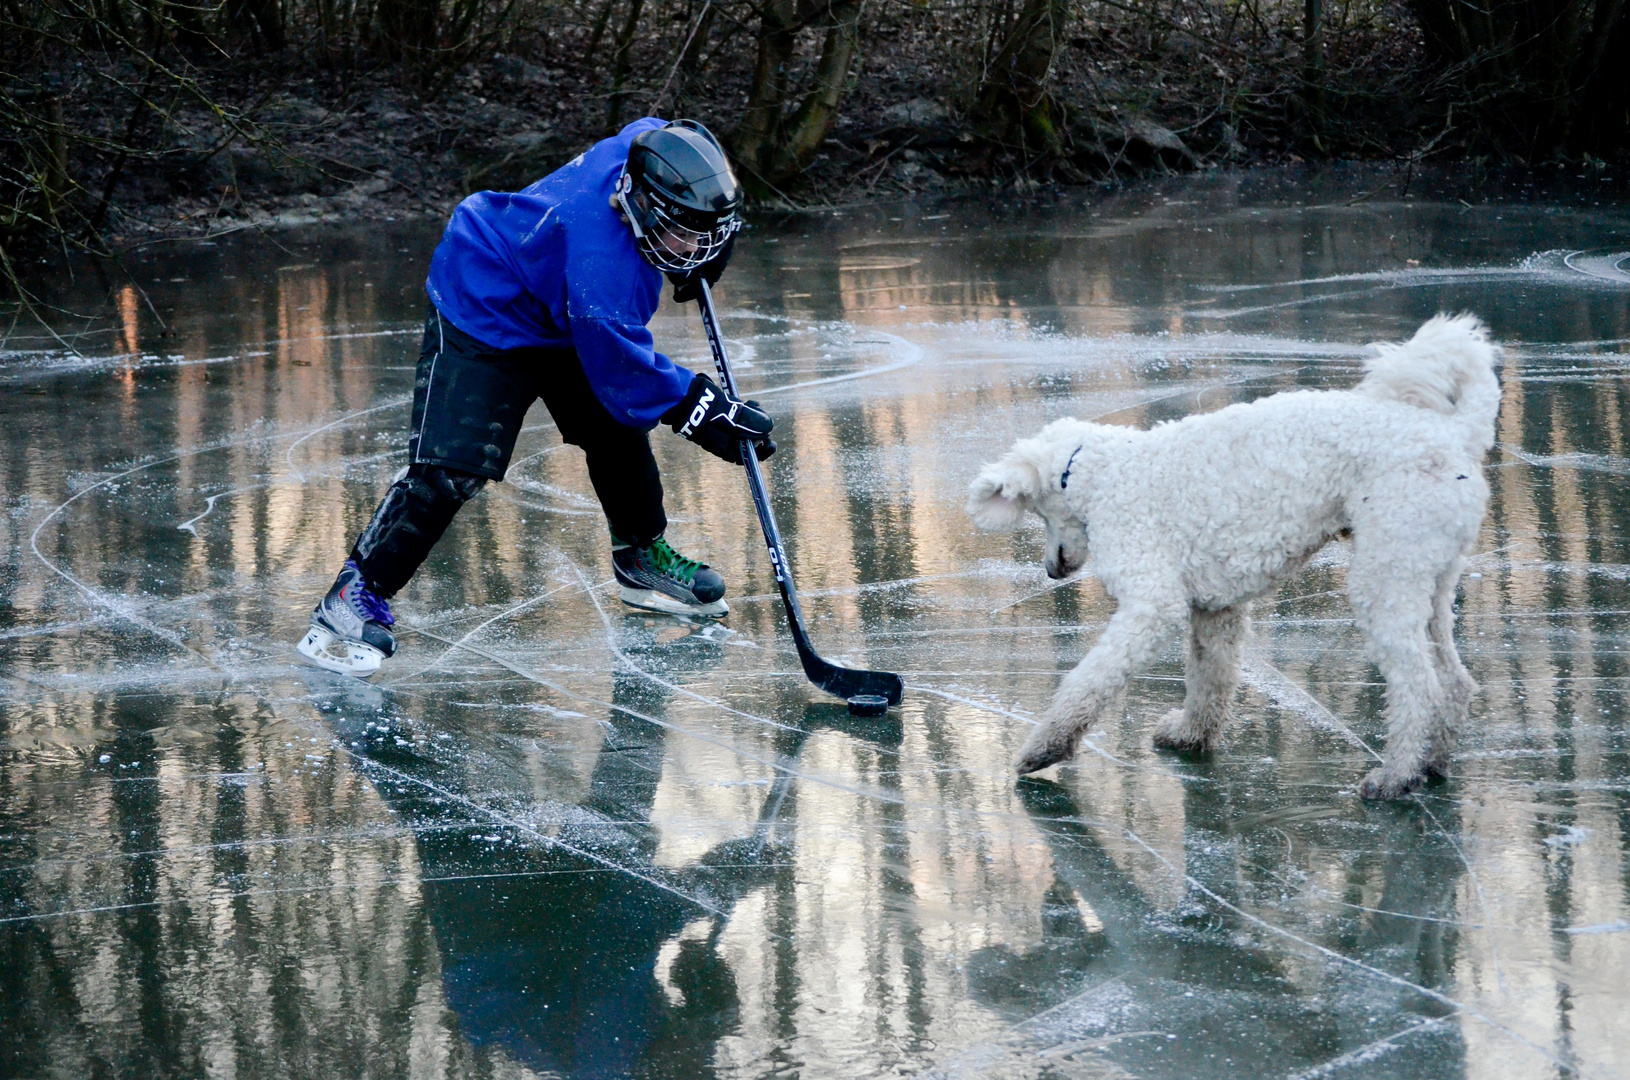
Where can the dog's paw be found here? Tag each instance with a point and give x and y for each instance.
(1174, 733)
(1437, 768)
(1381, 784)
(1044, 748)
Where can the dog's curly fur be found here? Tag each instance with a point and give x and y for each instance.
(1193, 519)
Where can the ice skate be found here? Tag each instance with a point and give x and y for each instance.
(658, 578)
(350, 627)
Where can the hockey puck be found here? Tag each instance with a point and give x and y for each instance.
(868, 705)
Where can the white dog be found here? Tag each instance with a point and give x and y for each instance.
(1192, 519)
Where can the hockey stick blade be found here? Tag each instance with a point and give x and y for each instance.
(834, 679)
(851, 682)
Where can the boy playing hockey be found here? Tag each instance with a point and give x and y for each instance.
(545, 293)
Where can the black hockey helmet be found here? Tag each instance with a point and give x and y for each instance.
(680, 196)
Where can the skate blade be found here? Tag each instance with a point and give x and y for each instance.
(326, 650)
(651, 600)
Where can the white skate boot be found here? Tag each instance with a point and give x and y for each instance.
(350, 628)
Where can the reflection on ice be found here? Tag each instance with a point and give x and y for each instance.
(562, 838)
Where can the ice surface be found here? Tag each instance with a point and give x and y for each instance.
(557, 837)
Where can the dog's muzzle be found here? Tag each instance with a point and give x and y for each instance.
(1058, 564)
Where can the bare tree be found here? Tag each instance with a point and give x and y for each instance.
(774, 143)
(1015, 105)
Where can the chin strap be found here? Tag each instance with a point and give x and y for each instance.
(1064, 481)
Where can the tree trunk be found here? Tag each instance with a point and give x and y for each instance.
(187, 22)
(1312, 96)
(112, 12)
(773, 146)
(56, 152)
(620, 62)
(408, 28)
(1014, 106)
(601, 21)
(755, 138)
(259, 21)
(802, 134)
(690, 61)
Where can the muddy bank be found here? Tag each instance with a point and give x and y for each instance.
(228, 132)
(330, 153)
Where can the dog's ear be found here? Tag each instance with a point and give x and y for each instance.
(1003, 491)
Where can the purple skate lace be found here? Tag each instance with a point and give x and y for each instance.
(376, 608)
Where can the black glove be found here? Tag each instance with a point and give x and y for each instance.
(686, 284)
(717, 422)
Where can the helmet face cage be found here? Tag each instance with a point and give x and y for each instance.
(662, 239)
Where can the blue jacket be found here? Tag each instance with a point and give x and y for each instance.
(554, 266)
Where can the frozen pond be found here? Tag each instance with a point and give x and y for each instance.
(558, 838)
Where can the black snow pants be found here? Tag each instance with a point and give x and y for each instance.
(468, 404)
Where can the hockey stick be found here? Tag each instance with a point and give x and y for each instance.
(874, 689)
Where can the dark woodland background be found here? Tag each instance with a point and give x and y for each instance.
(128, 118)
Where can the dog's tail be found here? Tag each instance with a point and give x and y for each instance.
(1448, 367)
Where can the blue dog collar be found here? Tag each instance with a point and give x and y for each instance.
(1064, 481)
